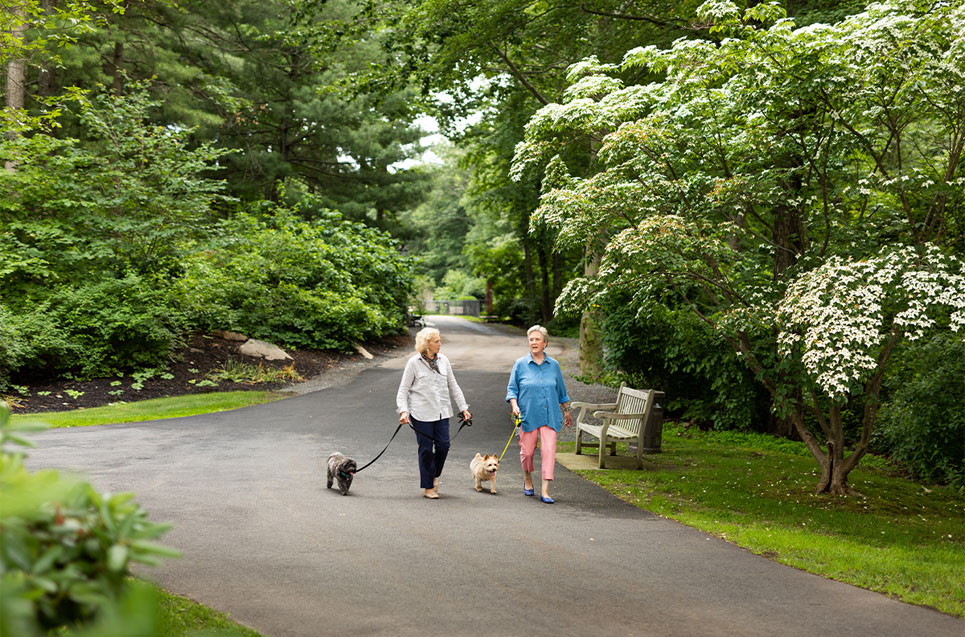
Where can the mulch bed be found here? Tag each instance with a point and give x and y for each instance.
(190, 366)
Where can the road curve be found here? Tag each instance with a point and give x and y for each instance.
(265, 541)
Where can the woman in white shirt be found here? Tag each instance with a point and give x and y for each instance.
(424, 400)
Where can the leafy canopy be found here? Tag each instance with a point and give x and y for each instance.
(775, 184)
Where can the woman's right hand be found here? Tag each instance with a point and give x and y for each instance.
(515, 407)
(404, 418)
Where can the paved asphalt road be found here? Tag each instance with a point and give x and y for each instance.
(265, 541)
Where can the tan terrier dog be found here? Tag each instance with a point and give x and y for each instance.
(484, 468)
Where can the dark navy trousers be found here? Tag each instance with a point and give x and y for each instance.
(432, 453)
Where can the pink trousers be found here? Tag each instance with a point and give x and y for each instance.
(527, 449)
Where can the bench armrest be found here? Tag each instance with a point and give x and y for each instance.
(577, 405)
(616, 416)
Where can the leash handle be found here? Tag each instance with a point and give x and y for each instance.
(516, 420)
(465, 423)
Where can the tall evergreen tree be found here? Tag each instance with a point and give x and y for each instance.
(264, 80)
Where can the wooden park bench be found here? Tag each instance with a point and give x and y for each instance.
(632, 418)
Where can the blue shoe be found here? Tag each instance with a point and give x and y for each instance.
(546, 500)
(529, 491)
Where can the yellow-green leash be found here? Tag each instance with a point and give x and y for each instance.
(516, 420)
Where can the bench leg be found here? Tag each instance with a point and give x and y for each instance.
(640, 454)
(613, 448)
(579, 440)
(602, 454)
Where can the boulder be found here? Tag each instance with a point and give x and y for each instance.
(261, 349)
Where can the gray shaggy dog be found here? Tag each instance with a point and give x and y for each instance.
(342, 469)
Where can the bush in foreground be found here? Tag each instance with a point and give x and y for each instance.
(65, 548)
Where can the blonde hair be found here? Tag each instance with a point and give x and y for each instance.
(423, 337)
(541, 330)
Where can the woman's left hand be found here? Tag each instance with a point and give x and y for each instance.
(567, 419)
(466, 415)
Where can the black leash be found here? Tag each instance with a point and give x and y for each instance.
(465, 423)
(386, 447)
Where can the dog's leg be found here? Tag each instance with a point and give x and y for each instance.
(478, 484)
(492, 485)
(330, 479)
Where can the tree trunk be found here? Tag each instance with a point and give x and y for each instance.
(780, 427)
(117, 70)
(557, 275)
(832, 479)
(45, 74)
(789, 240)
(834, 469)
(544, 276)
(16, 73)
(45, 82)
(591, 341)
(528, 272)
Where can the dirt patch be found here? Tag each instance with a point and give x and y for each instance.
(193, 370)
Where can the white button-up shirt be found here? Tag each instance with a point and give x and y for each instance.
(426, 394)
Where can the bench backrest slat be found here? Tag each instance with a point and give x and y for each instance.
(632, 401)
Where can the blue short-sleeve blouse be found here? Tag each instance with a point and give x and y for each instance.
(539, 391)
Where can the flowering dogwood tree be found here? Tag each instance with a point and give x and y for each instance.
(799, 189)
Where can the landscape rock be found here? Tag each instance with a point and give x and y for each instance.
(261, 349)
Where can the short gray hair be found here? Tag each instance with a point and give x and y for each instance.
(541, 330)
(423, 337)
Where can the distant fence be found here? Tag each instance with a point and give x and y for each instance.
(463, 308)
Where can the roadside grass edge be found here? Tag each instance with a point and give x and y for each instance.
(894, 536)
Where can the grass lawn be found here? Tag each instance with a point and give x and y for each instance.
(180, 616)
(153, 409)
(896, 536)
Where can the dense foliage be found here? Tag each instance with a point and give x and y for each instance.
(800, 190)
(744, 171)
(324, 284)
(262, 79)
(112, 250)
(923, 423)
(91, 235)
(674, 350)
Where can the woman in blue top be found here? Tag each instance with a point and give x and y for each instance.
(538, 397)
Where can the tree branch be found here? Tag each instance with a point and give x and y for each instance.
(676, 24)
(519, 75)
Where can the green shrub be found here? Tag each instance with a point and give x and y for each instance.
(30, 340)
(65, 549)
(121, 324)
(325, 283)
(97, 328)
(79, 217)
(922, 423)
(13, 346)
(674, 352)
